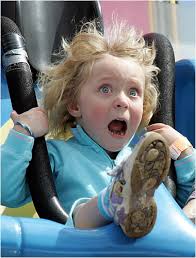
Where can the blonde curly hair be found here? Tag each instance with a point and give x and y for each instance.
(63, 80)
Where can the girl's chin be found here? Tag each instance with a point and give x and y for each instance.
(115, 148)
(114, 145)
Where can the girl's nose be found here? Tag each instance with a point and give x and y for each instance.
(121, 101)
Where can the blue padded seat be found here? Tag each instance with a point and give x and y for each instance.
(185, 98)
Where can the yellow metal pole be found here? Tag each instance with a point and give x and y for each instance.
(150, 16)
(174, 21)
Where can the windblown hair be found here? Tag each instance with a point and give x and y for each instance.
(62, 81)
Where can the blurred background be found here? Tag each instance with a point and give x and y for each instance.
(174, 19)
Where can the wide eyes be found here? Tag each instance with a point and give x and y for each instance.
(133, 92)
(105, 89)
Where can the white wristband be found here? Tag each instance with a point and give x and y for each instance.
(26, 127)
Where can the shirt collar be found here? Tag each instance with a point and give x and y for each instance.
(82, 136)
(84, 139)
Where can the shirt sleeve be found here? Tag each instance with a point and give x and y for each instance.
(16, 154)
(185, 172)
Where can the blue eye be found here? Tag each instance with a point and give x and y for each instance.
(133, 92)
(105, 89)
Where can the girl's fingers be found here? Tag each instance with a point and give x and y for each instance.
(14, 115)
(41, 110)
(156, 126)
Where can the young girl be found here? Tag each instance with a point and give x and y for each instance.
(104, 91)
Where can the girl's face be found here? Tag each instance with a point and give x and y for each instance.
(110, 105)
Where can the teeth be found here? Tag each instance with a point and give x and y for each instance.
(119, 133)
(118, 128)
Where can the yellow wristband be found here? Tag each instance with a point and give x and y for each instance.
(178, 146)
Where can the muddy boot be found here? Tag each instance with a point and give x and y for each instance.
(133, 187)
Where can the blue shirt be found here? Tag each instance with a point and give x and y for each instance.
(79, 167)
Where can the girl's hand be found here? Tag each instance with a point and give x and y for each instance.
(190, 210)
(36, 118)
(170, 135)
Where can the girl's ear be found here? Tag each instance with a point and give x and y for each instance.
(74, 110)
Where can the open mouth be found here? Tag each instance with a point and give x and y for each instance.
(117, 127)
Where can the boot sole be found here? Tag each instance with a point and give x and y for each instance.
(150, 168)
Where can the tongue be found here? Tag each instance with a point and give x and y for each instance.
(116, 125)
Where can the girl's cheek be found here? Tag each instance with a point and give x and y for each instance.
(98, 112)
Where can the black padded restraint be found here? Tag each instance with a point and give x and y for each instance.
(20, 85)
(165, 60)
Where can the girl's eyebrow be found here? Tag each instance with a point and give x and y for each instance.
(112, 77)
(136, 82)
(106, 78)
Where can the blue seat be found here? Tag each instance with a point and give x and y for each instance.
(6, 105)
(185, 98)
(172, 235)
